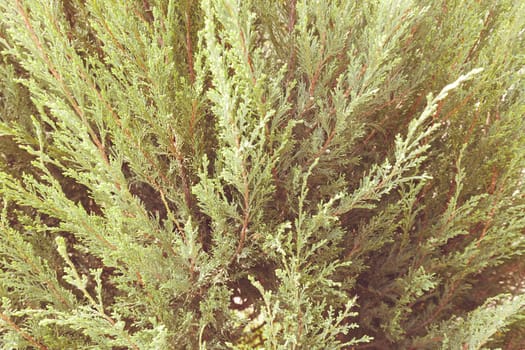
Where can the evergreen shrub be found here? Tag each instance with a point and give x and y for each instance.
(287, 174)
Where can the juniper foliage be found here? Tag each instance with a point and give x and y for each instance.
(237, 174)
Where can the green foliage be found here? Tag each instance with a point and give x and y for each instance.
(481, 324)
(247, 174)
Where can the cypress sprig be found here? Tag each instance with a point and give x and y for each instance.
(262, 175)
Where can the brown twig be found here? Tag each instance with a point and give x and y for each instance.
(320, 65)
(189, 49)
(174, 148)
(457, 108)
(470, 131)
(244, 48)
(478, 40)
(292, 18)
(246, 210)
(246, 206)
(325, 146)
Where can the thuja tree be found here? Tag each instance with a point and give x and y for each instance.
(262, 174)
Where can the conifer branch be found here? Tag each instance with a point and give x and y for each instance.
(455, 284)
(325, 146)
(320, 176)
(458, 107)
(37, 270)
(292, 18)
(189, 47)
(146, 155)
(26, 336)
(60, 80)
(80, 282)
(320, 65)
(244, 47)
(246, 209)
(183, 172)
(125, 52)
(476, 44)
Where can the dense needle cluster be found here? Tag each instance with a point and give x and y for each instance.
(288, 174)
